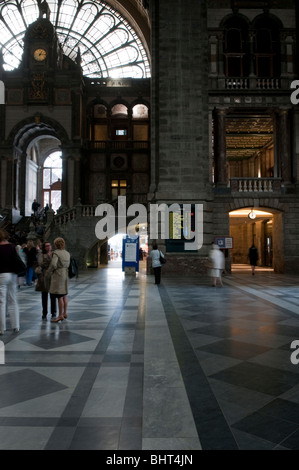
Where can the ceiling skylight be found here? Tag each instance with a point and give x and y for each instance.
(108, 44)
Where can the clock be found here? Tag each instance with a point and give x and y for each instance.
(40, 54)
(252, 215)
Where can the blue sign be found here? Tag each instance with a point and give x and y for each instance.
(130, 252)
(224, 242)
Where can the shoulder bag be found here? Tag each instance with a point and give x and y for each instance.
(162, 259)
(18, 265)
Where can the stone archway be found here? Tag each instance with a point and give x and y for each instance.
(32, 140)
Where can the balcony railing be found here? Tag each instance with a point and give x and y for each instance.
(249, 83)
(117, 145)
(256, 83)
(251, 185)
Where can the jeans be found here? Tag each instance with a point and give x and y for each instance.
(29, 275)
(8, 301)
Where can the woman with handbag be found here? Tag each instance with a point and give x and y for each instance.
(44, 258)
(58, 273)
(10, 266)
(156, 263)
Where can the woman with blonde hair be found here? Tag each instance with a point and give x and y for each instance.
(58, 271)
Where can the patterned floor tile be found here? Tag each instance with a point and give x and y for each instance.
(179, 367)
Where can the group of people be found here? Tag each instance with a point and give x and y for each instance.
(51, 269)
(39, 213)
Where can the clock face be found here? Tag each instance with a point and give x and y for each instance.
(40, 54)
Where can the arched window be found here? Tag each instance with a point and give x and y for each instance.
(140, 123)
(236, 47)
(52, 176)
(267, 47)
(140, 111)
(120, 128)
(99, 128)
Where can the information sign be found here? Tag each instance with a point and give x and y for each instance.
(130, 256)
(224, 242)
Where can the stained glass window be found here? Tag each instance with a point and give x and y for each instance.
(109, 46)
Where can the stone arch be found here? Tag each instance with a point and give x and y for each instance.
(35, 126)
(232, 16)
(36, 132)
(270, 17)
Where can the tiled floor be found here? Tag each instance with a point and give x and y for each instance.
(182, 366)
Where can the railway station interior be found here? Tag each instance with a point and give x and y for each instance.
(126, 106)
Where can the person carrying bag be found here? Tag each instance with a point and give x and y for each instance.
(157, 260)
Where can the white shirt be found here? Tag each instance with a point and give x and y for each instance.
(155, 255)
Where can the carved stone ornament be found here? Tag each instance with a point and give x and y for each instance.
(38, 89)
(40, 32)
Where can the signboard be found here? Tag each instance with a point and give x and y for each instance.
(224, 242)
(130, 257)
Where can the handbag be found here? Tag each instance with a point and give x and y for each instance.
(18, 265)
(162, 259)
(73, 268)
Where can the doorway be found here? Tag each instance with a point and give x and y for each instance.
(262, 228)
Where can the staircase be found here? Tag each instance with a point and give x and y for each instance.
(77, 227)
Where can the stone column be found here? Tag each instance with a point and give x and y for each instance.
(64, 182)
(77, 177)
(3, 175)
(22, 181)
(70, 182)
(220, 54)
(70, 177)
(284, 147)
(220, 148)
(251, 51)
(10, 187)
(179, 104)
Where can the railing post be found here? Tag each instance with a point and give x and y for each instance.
(250, 185)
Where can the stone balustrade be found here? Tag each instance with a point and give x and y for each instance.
(249, 83)
(101, 145)
(249, 185)
(243, 83)
(74, 213)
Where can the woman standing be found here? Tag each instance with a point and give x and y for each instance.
(8, 285)
(43, 283)
(58, 272)
(156, 265)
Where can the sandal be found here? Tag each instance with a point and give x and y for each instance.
(57, 319)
